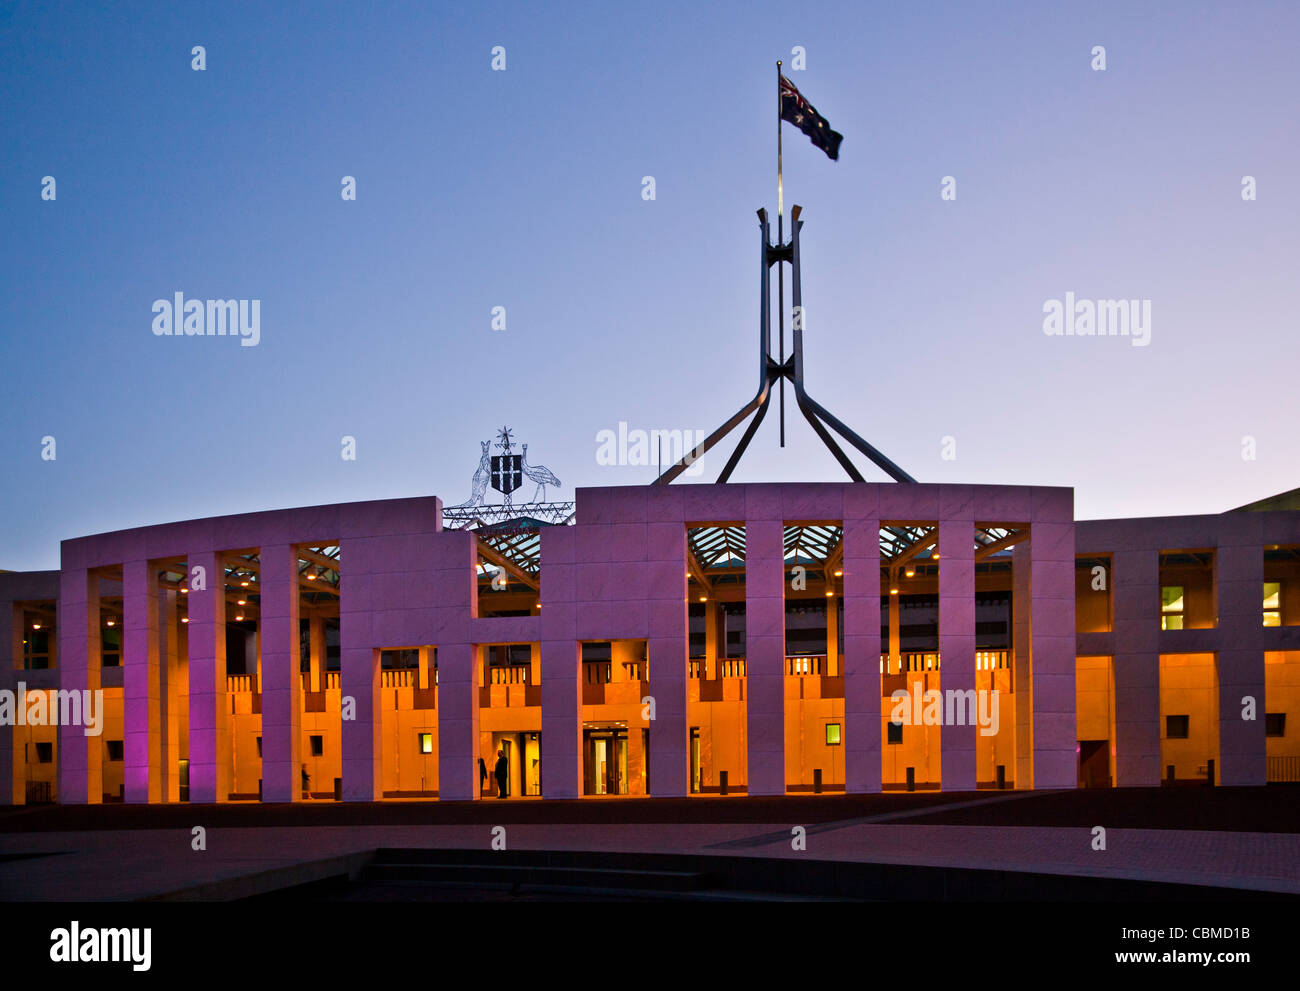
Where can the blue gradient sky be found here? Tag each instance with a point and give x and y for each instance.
(523, 189)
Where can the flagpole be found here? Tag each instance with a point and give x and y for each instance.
(780, 240)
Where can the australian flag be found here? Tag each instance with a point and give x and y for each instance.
(803, 115)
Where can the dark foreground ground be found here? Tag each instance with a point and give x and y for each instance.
(1135, 845)
(1272, 809)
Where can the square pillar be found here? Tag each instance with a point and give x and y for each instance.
(561, 718)
(458, 723)
(172, 648)
(861, 660)
(1051, 561)
(713, 648)
(13, 770)
(561, 667)
(833, 665)
(1239, 576)
(765, 654)
(1136, 581)
(279, 640)
(316, 650)
(1022, 666)
(141, 683)
(957, 654)
(422, 673)
(669, 760)
(80, 756)
(210, 756)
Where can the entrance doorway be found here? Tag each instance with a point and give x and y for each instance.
(605, 761)
(523, 753)
(1094, 763)
(695, 760)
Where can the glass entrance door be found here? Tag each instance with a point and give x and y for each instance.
(605, 756)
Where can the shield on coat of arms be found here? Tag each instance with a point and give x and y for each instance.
(507, 472)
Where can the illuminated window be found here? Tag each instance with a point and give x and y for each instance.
(1171, 607)
(317, 745)
(114, 749)
(832, 734)
(426, 743)
(1275, 724)
(1176, 727)
(894, 733)
(1272, 603)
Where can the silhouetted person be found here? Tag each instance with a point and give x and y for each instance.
(306, 780)
(502, 771)
(482, 776)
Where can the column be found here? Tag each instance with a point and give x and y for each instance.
(210, 770)
(80, 756)
(765, 654)
(861, 660)
(1239, 575)
(833, 667)
(561, 668)
(13, 777)
(316, 649)
(712, 642)
(359, 682)
(1051, 561)
(422, 675)
(1136, 581)
(172, 645)
(141, 683)
(669, 760)
(957, 654)
(1022, 665)
(279, 640)
(458, 722)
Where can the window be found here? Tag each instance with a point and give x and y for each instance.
(111, 647)
(36, 647)
(895, 732)
(832, 734)
(1275, 724)
(317, 746)
(1171, 607)
(1176, 727)
(45, 753)
(259, 746)
(401, 659)
(114, 749)
(1272, 603)
(695, 621)
(426, 743)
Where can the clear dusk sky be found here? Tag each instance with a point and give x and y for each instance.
(523, 189)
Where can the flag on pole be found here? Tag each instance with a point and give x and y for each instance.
(803, 115)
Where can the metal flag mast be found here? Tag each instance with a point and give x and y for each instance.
(770, 370)
(780, 237)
